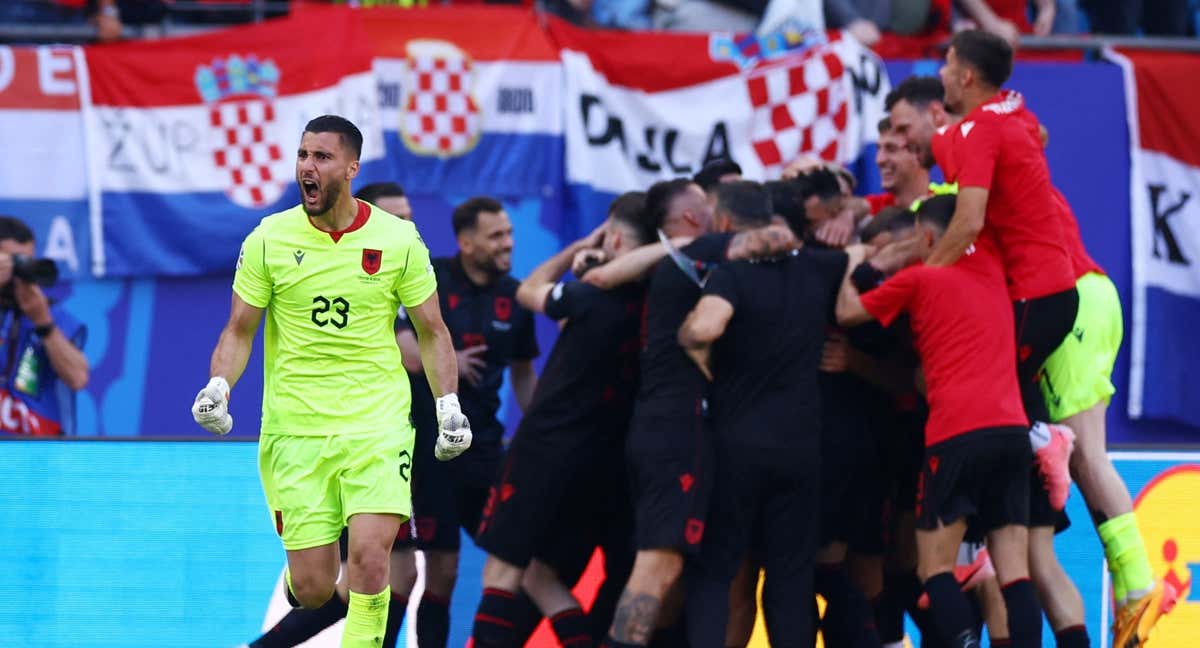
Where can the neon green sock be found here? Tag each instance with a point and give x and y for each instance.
(1126, 555)
(366, 619)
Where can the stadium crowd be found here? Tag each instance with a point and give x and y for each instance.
(878, 400)
(893, 27)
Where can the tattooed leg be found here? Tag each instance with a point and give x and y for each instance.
(654, 573)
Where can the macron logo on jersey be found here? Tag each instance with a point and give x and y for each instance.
(966, 128)
(298, 255)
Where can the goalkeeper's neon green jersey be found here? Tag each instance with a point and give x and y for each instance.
(331, 363)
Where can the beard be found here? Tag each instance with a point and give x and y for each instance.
(492, 266)
(331, 196)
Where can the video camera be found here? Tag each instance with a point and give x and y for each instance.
(43, 272)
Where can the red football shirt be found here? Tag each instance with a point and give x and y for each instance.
(962, 323)
(878, 202)
(997, 147)
(1081, 262)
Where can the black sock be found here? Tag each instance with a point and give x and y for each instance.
(1073, 637)
(526, 618)
(1024, 614)
(396, 609)
(848, 619)
(609, 642)
(899, 592)
(494, 626)
(300, 625)
(951, 611)
(433, 621)
(571, 628)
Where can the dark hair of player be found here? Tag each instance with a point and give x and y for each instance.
(466, 215)
(787, 204)
(989, 54)
(659, 197)
(377, 190)
(12, 229)
(889, 219)
(919, 91)
(884, 125)
(351, 137)
(629, 209)
(821, 183)
(710, 175)
(747, 202)
(936, 212)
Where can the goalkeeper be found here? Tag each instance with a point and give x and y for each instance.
(336, 442)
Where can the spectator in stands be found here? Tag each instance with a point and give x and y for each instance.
(862, 18)
(43, 364)
(109, 16)
(1157, 18)
(1009, 19)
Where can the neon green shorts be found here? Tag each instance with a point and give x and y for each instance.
(1078, 374)
(314, 484)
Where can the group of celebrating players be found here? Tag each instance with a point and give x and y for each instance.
(879, 400)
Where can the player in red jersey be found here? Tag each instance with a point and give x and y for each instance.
(1007, 207)
(977, 457)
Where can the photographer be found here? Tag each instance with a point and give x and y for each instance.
(40, 352)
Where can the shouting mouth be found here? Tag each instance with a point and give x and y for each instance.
(311, 191)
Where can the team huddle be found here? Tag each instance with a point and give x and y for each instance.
(879, 400)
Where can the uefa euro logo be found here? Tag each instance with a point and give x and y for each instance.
(240, 93)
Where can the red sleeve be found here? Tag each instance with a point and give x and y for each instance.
(981, 147)
(879, 201)
(892, 297)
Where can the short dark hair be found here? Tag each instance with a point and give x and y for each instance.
(889, 219)
(989, 54)
(659, 197)
(710, 175)
(748, 202)
(920, 91)
(466, 215)
(884, 125)
(937, 211)
(820, 182)
(351, 137)
(13, 229)
(630, 209)
(377, 190)
(787, 204)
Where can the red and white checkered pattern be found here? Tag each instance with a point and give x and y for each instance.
(245, 151)
(800, 107)
(440, 116)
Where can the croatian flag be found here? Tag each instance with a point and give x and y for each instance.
(648, 107)
(470, 100)
(1161, 97)
(192, 141)
(43, 178)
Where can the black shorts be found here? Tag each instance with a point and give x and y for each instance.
(1041, 514)
(449, 495)
(763, 499)
(540, 476)
(902, 441)
(982, 476)
(595, 512)
(853, 477)
(670, 479)
(1042, 325)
